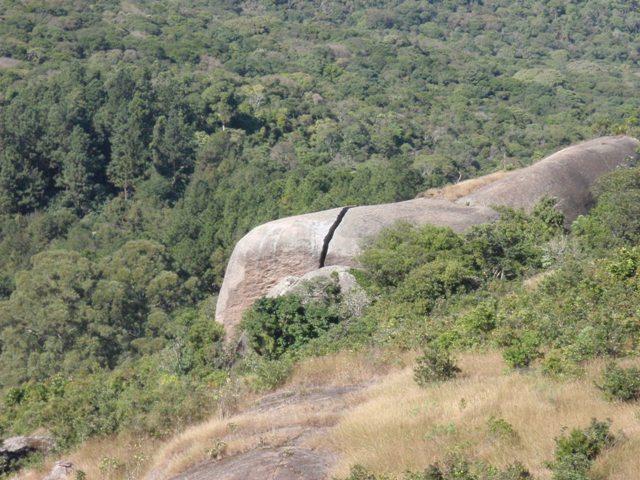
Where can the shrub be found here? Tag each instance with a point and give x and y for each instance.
(500, 428)
(620, 383)
(522, 351)
(508, 247)
(277, 325)
(615, 220)
(560, 364)
(575, 452)
(435, 364)
(270, 374)
(454, 468)
(399, 250)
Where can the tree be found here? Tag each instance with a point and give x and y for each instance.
(173, 148)
(76, 177)
(129, 153)
(44, 324)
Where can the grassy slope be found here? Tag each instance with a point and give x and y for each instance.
(392, 425)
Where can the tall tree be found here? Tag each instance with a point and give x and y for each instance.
(173, 148)
(129, 153)
(76, 177)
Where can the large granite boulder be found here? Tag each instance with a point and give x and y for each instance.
(268, 253)
(360, 225)
(566, 175)
(298, 245)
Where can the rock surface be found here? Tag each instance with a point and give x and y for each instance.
(292, 284)
(282, 463)
(15, 448)
(298, 245)
(362, 224)
(566, 175)
(268, 253)
(280, 435)
(22, 445)
(60, 471)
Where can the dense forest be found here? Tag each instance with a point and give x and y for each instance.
(139, 140)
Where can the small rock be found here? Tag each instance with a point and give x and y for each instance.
(61, 470)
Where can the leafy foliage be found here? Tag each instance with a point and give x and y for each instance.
(275, 326)
(435, 364)
(576, 451)
(620, 383)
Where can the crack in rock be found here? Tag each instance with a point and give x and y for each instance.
(329, 236)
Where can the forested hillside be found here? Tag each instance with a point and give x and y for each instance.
(140, 140)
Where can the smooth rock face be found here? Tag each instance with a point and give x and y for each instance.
(566, 175)
(297, 245)
(292, 284)
(362, 224)
(268, 253)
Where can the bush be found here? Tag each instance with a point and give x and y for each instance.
(399, 250)
(575, 452)
(620, 383)
(454, 468)
(522, 351)
(435, 364)
(277, 325)
(501, 429)
(615, 220)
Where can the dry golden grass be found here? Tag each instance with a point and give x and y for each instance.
(122, 456)
(458, 190)
(400, 426)
(282, 418)
(389, 424)
(347, 368)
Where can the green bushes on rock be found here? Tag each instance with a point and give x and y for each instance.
(275, 326)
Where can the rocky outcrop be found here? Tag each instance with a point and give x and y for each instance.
(362, 224)
(566, 175)
(268, 253)
(297, 245)
(62, 470)
(16, 448)
(292, 284)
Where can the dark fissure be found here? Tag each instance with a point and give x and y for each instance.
(329, 236)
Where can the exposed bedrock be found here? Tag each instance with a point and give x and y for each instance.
(297, 245)
(566, 175)
(294, 246)
(286, 247)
